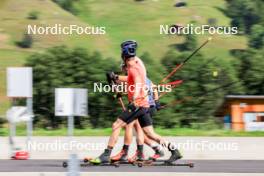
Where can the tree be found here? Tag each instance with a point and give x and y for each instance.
(199, 81)
(251, 71)
(190, 42)
(245, 13)
(249, 17)
(76, 68)
(256, 38)
(26, 42)
(67, 5)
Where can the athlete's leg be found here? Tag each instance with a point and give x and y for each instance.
(105, 156)
(140, 133)
(116, 128)
(128, 139)
(129, 133)
(125, 118)
(150, 133)
(151, 143)
(146, 123)
(175, 154)
(122, 155)
(140, 142)
(148, 141)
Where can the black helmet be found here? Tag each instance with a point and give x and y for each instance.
(128, 48)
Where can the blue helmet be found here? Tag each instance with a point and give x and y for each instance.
(128, 48)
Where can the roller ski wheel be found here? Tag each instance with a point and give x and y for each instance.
(86, 160)
(64, 164)
(116, 165)
(140, 164)
(191, 165)
(137, 163)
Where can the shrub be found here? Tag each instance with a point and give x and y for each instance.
(212, 21)
(65, 67)
(33, 15)
(180, 4)
(67, 5)
(26, 42)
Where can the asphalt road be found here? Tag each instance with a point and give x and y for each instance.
(214, 166)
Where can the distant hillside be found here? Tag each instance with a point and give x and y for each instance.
(14, 21)
(123, 20)
(141, 21)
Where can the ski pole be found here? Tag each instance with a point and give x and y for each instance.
(186, 60)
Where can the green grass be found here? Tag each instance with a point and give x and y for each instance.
(13, 24)
(163, 132)
(141, 21)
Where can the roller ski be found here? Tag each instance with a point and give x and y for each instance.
(164, 163)
(88, 164)
(172, 161)
(103, 160)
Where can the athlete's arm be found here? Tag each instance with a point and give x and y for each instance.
(155, 91)
(156, 96)
(122, 78)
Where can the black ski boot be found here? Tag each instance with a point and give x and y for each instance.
(140, 156)
(175, 155)
(103, 158)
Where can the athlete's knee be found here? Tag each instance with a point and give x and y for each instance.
(130, 125)
(116, 125)
(148, 133)
(152, 135)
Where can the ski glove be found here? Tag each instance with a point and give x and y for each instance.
(131, 107)
(111, 76)
(158, 105)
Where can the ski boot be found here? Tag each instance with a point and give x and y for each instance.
(121, 156)
(138, 156)
(158, 154)
(103, 158)
(175, 155)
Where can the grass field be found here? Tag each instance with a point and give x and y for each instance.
(123, 20)
(107, 131)
(141, 21)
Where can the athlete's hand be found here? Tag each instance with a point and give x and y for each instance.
(131, 107)
(111, 76)
(158, 105)
(118, 95)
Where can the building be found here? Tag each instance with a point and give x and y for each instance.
(242, 112)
